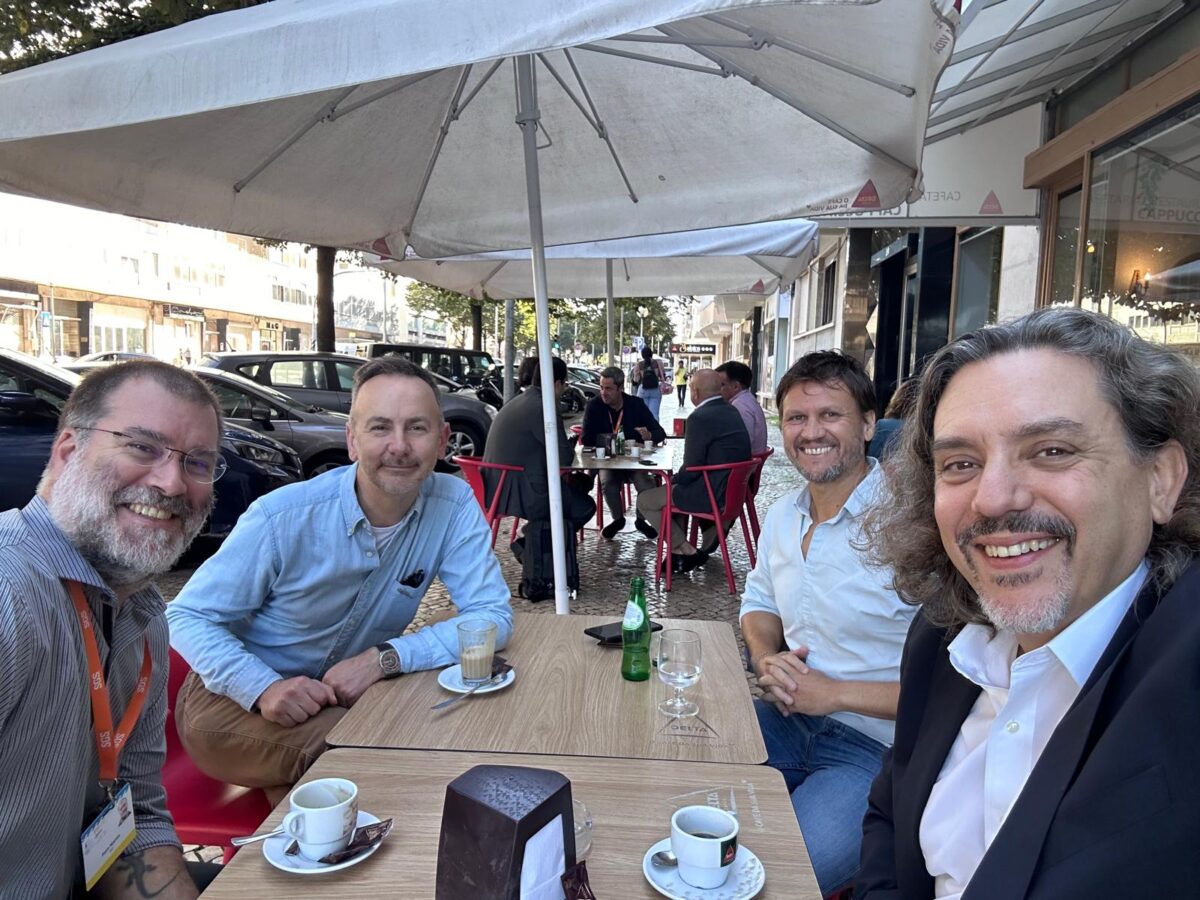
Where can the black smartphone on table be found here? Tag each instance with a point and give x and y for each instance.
(610, 632)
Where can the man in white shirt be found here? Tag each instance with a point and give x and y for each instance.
(1046, 516)
(823, 628)
(736, 379)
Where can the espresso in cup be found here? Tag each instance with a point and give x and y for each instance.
(704, 839)
(323, 815)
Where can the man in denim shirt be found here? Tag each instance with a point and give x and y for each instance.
(303, 607)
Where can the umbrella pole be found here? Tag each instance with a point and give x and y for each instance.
(527, 118)
(611, 347)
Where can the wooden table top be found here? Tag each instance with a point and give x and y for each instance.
(569, 699)
(662, 458)
(630, 802)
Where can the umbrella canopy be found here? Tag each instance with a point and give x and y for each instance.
(381, 123)
(735, 260)
(387, 124)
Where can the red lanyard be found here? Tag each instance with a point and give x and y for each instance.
(616, 426)
(108, 741)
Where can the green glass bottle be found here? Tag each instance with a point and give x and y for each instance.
(635, 634)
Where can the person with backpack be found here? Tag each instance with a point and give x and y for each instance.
(650, 378)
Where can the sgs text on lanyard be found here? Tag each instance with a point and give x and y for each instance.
(108, 741)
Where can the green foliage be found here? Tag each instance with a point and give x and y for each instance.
(36, 31)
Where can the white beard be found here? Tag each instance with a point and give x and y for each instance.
(1033, 618)
(84, 500)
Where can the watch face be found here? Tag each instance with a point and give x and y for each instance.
(389, 661)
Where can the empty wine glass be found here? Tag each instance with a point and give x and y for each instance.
(679, 667)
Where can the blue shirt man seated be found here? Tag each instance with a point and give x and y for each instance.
(616, 412)
(304, 606)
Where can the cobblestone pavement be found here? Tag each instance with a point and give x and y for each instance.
(606, 567)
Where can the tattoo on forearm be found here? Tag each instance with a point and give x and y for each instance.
(138, 871)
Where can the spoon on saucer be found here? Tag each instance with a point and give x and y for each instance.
(664, 859)
(254, 838)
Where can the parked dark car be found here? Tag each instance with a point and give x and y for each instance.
(32, 393)
(464, 367)
(325, 380)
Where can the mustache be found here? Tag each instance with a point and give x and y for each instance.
(149, 496)
(1017, 522)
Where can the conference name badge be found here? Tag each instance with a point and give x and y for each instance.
(108, 835)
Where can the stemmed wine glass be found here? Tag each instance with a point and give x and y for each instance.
(679, 667)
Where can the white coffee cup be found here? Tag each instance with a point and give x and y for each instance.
(634, 451)
(324, 813)
(704, 839)
(648, 445)
(601, 452)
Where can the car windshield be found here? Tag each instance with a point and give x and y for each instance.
(254, 387)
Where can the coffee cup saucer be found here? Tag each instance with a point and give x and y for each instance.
(746, 877)
(275, 850)
(451, 679)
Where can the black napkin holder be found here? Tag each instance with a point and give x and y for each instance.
(489, 815)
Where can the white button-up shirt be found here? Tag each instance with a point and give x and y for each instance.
(832, 601)
(1022, 701)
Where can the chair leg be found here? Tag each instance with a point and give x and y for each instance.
(725, 556)
(749, 542)
(495, 523)
(753, 513)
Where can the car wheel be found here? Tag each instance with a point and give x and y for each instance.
(465, 440)
(326, 461)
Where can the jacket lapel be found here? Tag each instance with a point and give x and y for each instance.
(1009, 863)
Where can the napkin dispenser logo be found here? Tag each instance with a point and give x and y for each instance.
(508, 833)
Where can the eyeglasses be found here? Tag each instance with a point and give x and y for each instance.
(200, 465)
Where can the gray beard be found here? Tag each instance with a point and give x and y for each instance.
(1035, 618)
(83, 502)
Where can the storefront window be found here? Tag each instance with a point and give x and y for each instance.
(1142, 264)
(977, 293)
(1066, 242)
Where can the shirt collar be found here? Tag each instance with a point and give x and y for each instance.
(985, 656)
(64, 561)
(352, 511)
(864, 495)
(707, 400)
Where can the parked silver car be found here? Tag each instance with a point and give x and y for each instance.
(325, 380)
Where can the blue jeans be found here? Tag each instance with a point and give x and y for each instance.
(653, 399)
(828, 768)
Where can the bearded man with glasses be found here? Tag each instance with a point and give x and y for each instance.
(118, 503)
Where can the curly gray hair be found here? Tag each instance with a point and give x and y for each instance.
(1155, 391)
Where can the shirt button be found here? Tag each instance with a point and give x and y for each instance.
(1013, 727)
(370, 553)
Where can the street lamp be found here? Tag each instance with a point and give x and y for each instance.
(642, 313)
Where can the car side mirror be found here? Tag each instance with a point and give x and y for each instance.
(261, 415)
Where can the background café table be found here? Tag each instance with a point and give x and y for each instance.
(661, 459)
(569, 698)
(630, 801)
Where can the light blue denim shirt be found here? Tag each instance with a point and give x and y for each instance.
(299, 585)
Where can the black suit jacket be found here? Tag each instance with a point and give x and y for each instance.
(518, 438)
(716, 434)
(1112, 807)
(598, 419)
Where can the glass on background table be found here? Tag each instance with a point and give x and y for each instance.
(630, 803)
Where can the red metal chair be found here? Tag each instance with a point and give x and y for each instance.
(206, 811)
(473, 468)
(755, 481)
(737, 488)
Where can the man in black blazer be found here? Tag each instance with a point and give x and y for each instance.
(1046, 516)
(716, 434)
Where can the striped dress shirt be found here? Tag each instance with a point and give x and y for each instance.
(50, 789)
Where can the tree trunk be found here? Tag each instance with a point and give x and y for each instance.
(476, 326)
(326, 332)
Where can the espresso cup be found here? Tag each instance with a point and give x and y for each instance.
(634, 451)
(704, 840)
(601, 452)
(324, 813)
(647, 445)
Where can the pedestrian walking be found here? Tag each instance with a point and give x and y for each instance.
(681, 380)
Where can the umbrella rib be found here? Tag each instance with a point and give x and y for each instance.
(641, 57)
(490, 275)
(475, 90)
(603, 131)
(451, 115)
(707, 42)
(783, 96)
(762, 39)
(758, 262)
(340, 111)
(304, 129)
(597, 126)
(625, 266)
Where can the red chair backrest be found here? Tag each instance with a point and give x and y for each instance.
(473, 468)
(756, 478)
(737, 486)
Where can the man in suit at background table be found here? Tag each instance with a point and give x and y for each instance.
(716, 435)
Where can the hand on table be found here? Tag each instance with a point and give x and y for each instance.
(795, 687)
(643, 432)
(294, 700)
(350, 678)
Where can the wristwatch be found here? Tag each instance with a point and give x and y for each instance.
(389, 661)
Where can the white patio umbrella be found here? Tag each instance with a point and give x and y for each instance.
(382, 124)
(738, 259)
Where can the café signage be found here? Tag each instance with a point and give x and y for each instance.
(697, 349)
(175, 311)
